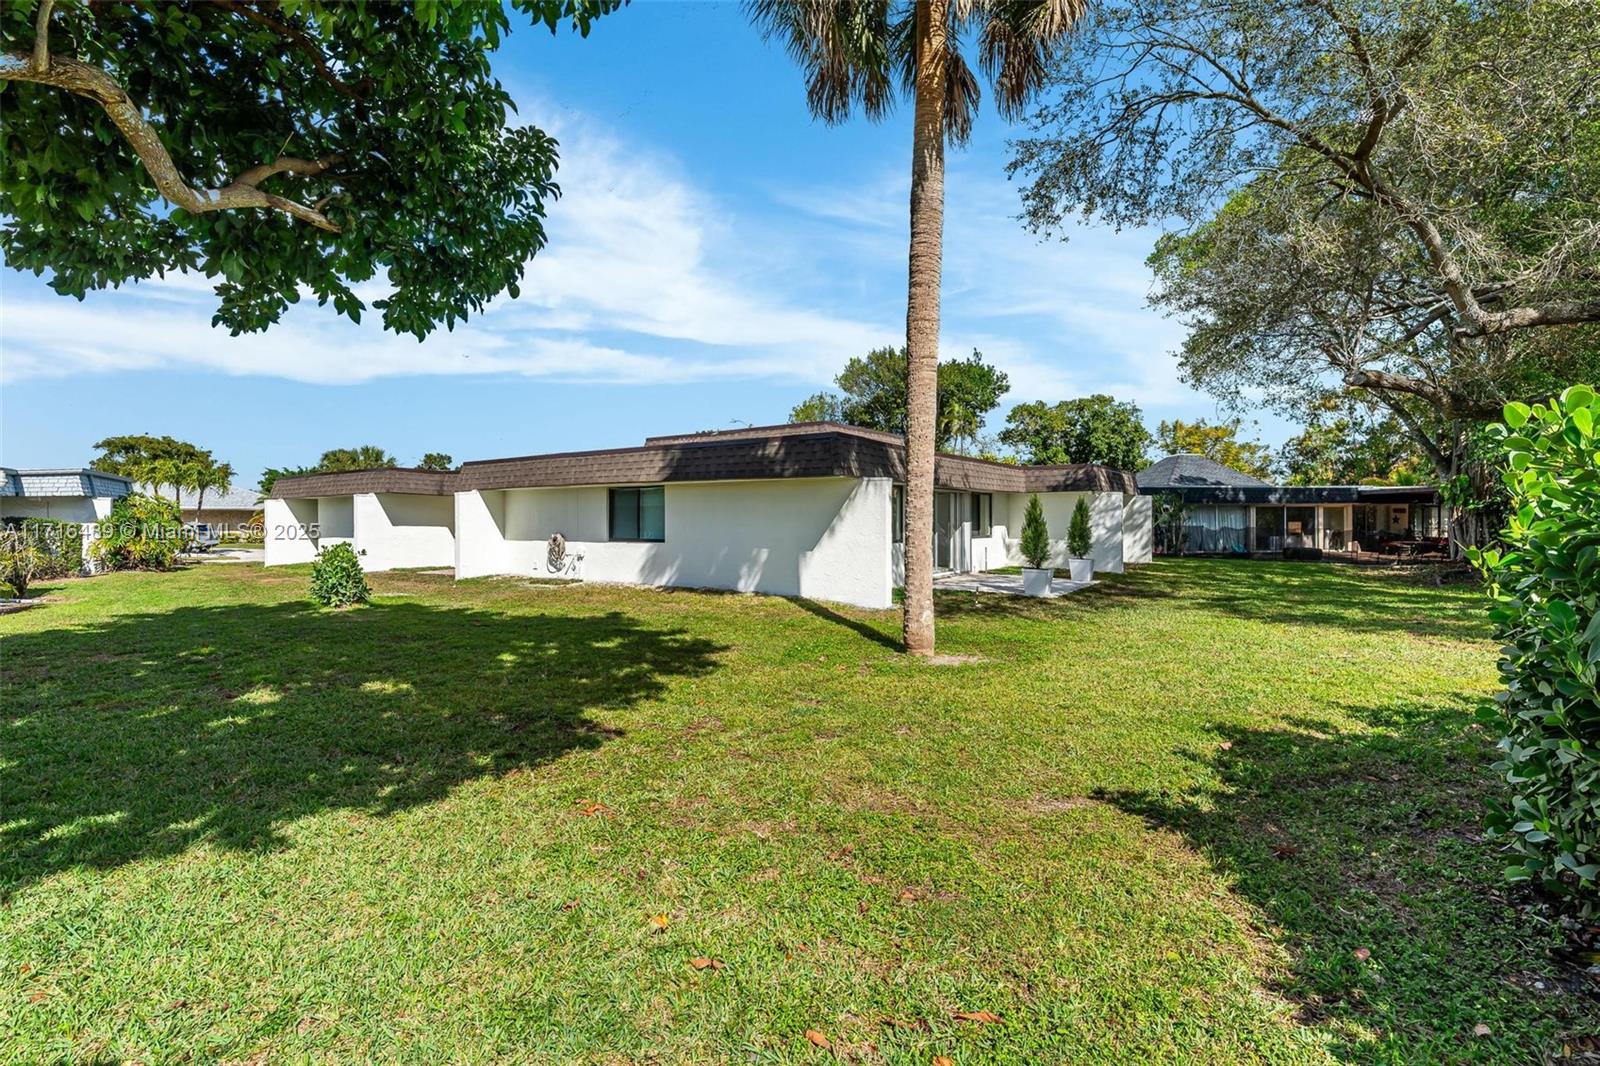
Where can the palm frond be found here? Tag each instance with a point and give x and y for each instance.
(843, 48)
(1016, 42)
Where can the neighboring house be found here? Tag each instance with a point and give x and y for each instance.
(76, 495)
(226, 511)
(1226, 512)
(812, 510)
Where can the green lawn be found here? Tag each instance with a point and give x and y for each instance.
(1155, 821)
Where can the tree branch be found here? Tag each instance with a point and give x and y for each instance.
(95, 84)
(41, 36)
(300, 40)
(1450, 403)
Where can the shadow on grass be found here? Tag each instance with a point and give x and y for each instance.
(1372, 840)
(1296, 594)
(146, 734)
(855, 625)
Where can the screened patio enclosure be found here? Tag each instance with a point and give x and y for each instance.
(1210, 528)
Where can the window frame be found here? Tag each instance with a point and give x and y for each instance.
(638, 513)
(897, 514)
(982, 508)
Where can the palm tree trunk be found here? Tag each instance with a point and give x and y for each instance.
(922, 316)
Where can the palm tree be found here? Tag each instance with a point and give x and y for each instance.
(206, 476)
(851, 52)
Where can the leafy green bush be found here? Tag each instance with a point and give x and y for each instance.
(142, 533)
(1545, 587)
(1035, 534)
(60, 545)
(336, 577)
(1078, 540)
(20, 561)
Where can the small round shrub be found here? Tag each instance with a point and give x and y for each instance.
(336, 577)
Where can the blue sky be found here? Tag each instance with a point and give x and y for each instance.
(716, 256)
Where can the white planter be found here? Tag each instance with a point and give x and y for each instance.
(1082, 570)
(1036, 582)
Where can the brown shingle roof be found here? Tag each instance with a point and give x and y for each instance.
(351, 482)
(810, 449)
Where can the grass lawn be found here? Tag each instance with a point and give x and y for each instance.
(1210, 812)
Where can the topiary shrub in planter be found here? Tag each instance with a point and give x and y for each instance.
(1545, 588)
(142, 533)
(1035, 549)
(1079, 542)
(337, 579)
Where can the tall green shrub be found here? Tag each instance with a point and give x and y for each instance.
(1545, 586)
(1078, 539)
(336, 577)
(1035, 534)
(142, 533)
(20, 561)
(60, 543)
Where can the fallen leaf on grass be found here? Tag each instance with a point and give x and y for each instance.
(983, 1016)
(702, 962)
(659, 921)
(818, 1039)
(38, 997)
(861, 906)
(590, 808)
(943, 1060)
(1226, 745)
(1285, 851)
(1362, 954)
(1481, 1030)
(572, 904)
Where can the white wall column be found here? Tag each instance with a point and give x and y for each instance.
(290, 524)
(480, 548)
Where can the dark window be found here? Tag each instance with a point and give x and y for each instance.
(638, 514)
(898, 514)
(982, 514)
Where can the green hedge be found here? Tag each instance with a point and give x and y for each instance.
(1545, 586)
(62, 545)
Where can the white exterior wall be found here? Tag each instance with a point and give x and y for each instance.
(289, 523)
(1138, 530)
(1105, 527)
(60, 508)
(398, 530)
(821, 538)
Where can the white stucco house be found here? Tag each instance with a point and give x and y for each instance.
(75, 494)
(810, 510)
(68, 495)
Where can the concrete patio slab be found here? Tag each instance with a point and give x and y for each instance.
(1005, 584)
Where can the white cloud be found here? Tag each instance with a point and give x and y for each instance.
(650, 279)
(631, 289)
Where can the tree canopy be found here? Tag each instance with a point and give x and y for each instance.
(1349, 444)
(333, 461)
(1091, 429)
(436, 461)
(1218, 441)
(1402, 199)
(872, 394)
(275, 147)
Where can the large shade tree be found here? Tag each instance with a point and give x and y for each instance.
(872, 394)
(861, 54)
(1089, 429)
(275, 147)
(1398, 199)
